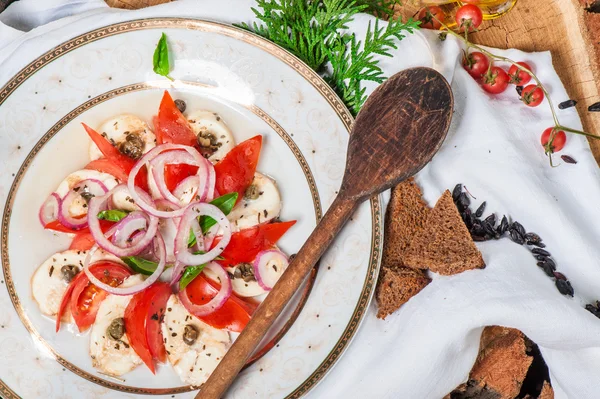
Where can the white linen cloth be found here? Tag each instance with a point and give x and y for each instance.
(428, 347)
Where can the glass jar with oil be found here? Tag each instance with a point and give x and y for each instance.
(491, 8)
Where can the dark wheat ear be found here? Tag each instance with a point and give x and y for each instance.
(399, 129)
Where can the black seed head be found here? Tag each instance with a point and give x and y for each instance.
(547, 269)
(560, 276)
(551, 262)
(540, 251)
(519, 227)
(516, 237)
(519, 90)
(567, 104)
(503, 225)
(480, 210)
(463, 201)
(541, 258)
(533, 237)
(565, 287)
(456, 192)
(593, 310)
(568, 159)
(491, 219)
(594, 107)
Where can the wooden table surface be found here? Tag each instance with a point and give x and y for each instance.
(570, 29)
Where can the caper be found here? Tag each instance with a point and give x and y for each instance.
(208, 143)
(245, 271)
(133, 146)
(190, 334)
(180, 104)
(86, 195)
(69, 272)
(116, 329)
(252, 192)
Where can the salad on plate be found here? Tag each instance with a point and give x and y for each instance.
(174, 237)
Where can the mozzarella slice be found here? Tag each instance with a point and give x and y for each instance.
(116, 130)
(210, 122)
(193, 363)
(238, 285)
(110, 356)
(250, 212)
(48, 285)
(79, 205)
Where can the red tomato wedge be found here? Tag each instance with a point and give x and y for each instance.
(137, 320)
(119, 161)
(234, 315)
(246, 244)
(171, 126)
(236, 171)
(105, 165)
(86, 297)
(83, 241)
(56, 226)
(174, 174)
(155, 315)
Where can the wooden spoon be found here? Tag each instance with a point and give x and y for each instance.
(397, 132)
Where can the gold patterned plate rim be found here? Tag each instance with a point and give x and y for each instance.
(283, 55)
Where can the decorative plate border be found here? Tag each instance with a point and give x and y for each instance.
(311, 76)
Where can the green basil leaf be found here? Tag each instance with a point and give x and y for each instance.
(161, 58)
(189, 275)
(140, 265)
(113, 215)
(225, 203)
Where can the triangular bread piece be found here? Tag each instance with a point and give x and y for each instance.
(444, 246)
(406, 215)
(396, 287)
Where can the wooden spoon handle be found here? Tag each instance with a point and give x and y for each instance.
(280, 295)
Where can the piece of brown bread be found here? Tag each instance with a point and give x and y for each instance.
(444, 245)
(547, 391)
(500, 367)
(396, 287)
(406, 214)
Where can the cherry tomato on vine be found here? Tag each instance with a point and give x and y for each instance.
(495, 81)
(469, 17)
(519, 77)
(431, 17)
(532, 95)
(552, 145)
(476, 64)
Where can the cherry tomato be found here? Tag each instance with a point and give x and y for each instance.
(476, 64)
(86, 297)
(519, 77)
(120, 164)
(532, 95)
(137, 319)
(232, 316)
(156, 313)
(552, 145)
(171, 126)
(495, 81)
(246, 244)
(235, 172)
(431, 17)
(469, 17)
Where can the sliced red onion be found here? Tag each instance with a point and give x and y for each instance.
(189, 221)
(217, 302)
(94, 207)
(49, 209)
(128, 227)
(190, 181)
(265, 276)
(158, 170)
(199, 160)
(135, 288)
(93, 187)
(176, 275)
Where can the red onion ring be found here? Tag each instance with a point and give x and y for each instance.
(135, 288)
(199, 160)
(189, 221)
(217, 302)
(92, 186)
(94, 207)
(127, 228)
(49, 209)
(264, 276)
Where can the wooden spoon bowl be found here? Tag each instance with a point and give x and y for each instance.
(399, 129)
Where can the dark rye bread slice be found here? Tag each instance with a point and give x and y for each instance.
(406, 215)
(396, 287)
(500, 367)
(444, 245)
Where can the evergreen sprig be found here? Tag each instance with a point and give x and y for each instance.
(316, 32)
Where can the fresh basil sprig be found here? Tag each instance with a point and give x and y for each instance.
(147, 267)
(112, 215)
(225, 203)
(161, 58)
(189, 274)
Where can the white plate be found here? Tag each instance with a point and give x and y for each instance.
(257, 88)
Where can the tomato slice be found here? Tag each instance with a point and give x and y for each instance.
(83, 241)
(137, 318)
(246, 244)
(57, 226)
(236, 171)
(232, 316)
(86, 297)
(155, 315)
(121, 165)
(171, 126)
(174, 174)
